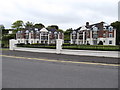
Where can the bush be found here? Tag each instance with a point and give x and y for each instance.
(19, 45)
(51, 44)
(93, 47)
(2, 45)
(66, 44)
(100, 43)
(74, 46)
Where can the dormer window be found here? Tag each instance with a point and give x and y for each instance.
(55, 32)
(79, 31)
(26, 31)
(18, 32)
(50, 32)
(36, 29)
(95, 28)
(37, 32)
(104, 28)
(110, 28)
(74, 32)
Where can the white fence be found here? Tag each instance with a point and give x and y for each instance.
(59, 50)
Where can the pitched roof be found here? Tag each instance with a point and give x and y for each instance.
(43, 30)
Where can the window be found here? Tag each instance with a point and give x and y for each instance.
(27, 36)
(94, 32)
(26, 41)
(44, 37)
(44, 33)
(74, 32)
(104, 35)
(110, 28)
(110, 35)
(42, 42)
(18, 41)
(18, 36)
(37, 41)
(31, 42)
(95, 28)
(95, 36)
(110, 42)
(56, 36)
(104, 28)
(74, 37)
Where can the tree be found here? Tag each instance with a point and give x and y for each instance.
(69, 30)
(2, 30)
(53, 27)
(18, 25)
(116, 25)
(39, 26)
(2, 27)
(67, 34)
(5, 36)
(60, 30)
(29, 25)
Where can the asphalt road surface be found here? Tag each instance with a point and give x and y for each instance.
(62, 57)
(32, 73)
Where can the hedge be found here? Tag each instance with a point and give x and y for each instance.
(73, 46)
(94, 47)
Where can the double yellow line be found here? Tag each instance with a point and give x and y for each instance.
(50, 60)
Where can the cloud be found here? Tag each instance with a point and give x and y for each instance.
(64, 13)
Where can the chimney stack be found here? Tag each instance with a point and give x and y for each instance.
(87, 23)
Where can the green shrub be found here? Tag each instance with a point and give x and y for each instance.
(93, 47)
(74, 46)
(66, 44)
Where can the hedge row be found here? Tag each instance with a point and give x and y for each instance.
(73, 46)
(93, 47)
(36, 46)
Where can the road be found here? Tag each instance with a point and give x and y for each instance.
(62, 57)
(21, 72)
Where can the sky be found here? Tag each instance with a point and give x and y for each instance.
(64, 13)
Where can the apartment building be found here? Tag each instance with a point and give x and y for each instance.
(38, 36)
(94, 34)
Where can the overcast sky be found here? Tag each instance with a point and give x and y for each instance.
(64, 13)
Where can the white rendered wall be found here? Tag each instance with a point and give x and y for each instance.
(107, 41)
(59, 45)
(31, 41)
(12, 43)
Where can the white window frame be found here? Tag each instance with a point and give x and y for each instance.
(110, 41)
(110, 35)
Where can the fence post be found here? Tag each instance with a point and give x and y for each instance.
(59, 46)
(12, 43)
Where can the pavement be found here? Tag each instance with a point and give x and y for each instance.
(31, 73)
(64, 57)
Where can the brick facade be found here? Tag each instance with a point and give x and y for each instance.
(38, 36)
(93, 34)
